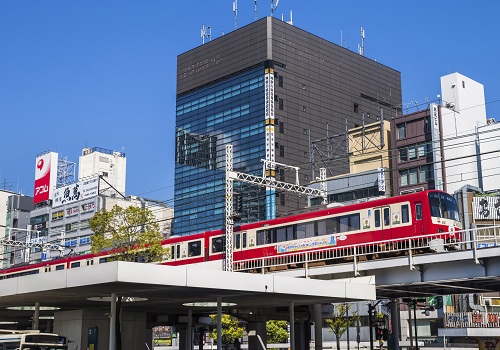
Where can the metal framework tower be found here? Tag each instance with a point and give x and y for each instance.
(65, 172)
(259, 181)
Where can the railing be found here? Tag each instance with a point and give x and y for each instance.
(472, 320)
(472, 239)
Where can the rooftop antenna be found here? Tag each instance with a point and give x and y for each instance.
(255, 8)
(361, 49)
(291, 19)
(274, 5)
(206, 32)
(235, 11)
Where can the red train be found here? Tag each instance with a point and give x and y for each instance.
(411, 215)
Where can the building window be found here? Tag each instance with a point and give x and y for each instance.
(306, 131)
(427, 125)
(282, 151)
(282, 175)
(282, 199)
(280, 105)
(403, 154)
(304, 109)
(401, 131)
(276, 98)
(412, 152)
(306, 155)
(281, 128)
(413, 176)
(280, 81)
(276, 145)
(403, 175)
(356, 108)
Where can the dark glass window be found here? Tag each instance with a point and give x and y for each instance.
(387, 216)
(218, 244)
(281, 104)
(377, 218)
(405, 213)
(280, 81)
(194, 248)
(418, 211)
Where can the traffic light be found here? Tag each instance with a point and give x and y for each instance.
(237, 206)
(378, 333)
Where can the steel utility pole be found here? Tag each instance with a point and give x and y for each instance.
(271, 182)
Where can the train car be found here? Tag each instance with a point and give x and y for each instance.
(393, 218)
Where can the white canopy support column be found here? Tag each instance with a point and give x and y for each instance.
(112, 323)
(219, 323)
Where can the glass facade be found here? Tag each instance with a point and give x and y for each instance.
(229, 111)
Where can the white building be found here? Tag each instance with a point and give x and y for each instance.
(111, 165)
(464, 112)
(489, 151)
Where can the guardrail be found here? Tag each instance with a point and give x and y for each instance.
(472, 239)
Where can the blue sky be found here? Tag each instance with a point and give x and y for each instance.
(102, 73)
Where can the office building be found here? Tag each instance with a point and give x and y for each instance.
(269, 89)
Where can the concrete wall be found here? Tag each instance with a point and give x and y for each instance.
(75, 325)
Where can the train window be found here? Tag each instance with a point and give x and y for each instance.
(377, 218)
(305, 230)
(237, 243)
(178, 251)
(244, 240)
(405, 213)
(59, 267)
(418, 211)
(75, 264)
(172, 252)
(103, 260)
(194, 248)
(218, 244)
(90, 262)
(281, 234)
(47, 268)
(321, 228)
(262, 237)
(387, 217)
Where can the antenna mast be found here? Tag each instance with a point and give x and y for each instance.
(274, 5)
(206, 32)
(361, 50)
(255, 8)
(235, 11)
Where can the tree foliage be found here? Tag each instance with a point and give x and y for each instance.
(276, 331)
(339, 323)
(230, 329)
(131, 234)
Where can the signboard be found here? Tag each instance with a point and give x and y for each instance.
(381, 180)
(486, 208)
(437, 157)
(75, 192)
(45, 176)
(270, 140)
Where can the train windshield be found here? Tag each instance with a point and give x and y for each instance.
(443, 206)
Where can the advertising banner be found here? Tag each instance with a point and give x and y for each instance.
(486, 208)
(45, 176)
(75, 192)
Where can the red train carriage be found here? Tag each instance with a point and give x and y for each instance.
(402, 217)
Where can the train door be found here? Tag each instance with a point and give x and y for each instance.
(382, 217)
(419, 224)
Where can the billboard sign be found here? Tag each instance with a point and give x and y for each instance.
(436, 146)
(486, 208)
(75, 192)
(45, 176)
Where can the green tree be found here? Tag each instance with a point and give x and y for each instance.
(230, 329)
(339, 323)
(276, 331)
(131, 234)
